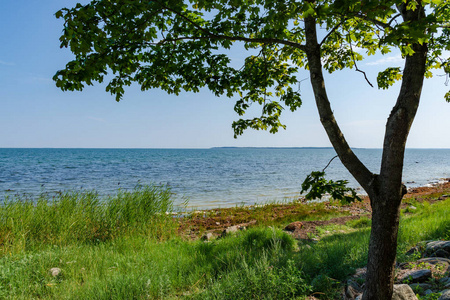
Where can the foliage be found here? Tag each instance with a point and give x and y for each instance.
(183, 45)
(318, 186)
(388, 77)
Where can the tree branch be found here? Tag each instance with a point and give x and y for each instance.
(356, 66)
(376, 22)
(337, 139)
(211, 35)
(404, 111)
(332, 31)
(329, 163)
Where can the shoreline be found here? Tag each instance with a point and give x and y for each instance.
(312, 215)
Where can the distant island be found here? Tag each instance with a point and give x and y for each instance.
(312, 148)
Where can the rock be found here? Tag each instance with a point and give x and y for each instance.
(352, 289)
(360, 273)
(447, 286)
(404, 265)
(441, 261)
(440, 253)
(207, 237)
(229, 230)
(427, 292)
(400, 292)
(445, 295)
(436, 245)
(403, 292)
(414, 276)
(444, 280)
(420, 286)
(294, 226)
(412, 207)
(413, 250)
(55, 272)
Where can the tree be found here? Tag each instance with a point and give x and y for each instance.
(178, 45)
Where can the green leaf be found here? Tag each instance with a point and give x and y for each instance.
(318, 186)
(388, 77)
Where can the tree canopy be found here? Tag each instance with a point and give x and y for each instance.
(179, 45)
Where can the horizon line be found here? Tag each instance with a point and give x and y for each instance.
(216, 147)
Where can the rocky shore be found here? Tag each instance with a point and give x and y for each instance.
(427, 275)
(213, 223)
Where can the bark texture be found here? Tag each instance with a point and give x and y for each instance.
(387, 196)
(386, 189)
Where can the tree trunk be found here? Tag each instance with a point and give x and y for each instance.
(388, 190)
(385, 190)
(382, 245)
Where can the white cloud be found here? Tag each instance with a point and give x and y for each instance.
(386, 60)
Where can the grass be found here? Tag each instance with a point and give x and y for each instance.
(127, 247)
(83, 217)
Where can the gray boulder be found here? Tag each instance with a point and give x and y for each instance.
(420, 286)
(436, 261)
(414, 276)
(403, 292)
(352, 290)
(432, 247)
(413, 250)
(445, 295)
(428, 292)
(440, 253)
(400, 292)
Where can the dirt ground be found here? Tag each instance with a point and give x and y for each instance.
(216, 221)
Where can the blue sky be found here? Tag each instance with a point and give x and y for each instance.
(34, 113)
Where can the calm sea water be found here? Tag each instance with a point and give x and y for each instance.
(208, 178)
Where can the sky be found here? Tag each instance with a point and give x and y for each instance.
(34, 113)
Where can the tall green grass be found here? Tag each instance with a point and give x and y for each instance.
(84, 217)
(126, 247)
(253, 264)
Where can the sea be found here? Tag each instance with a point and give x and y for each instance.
(202, 178)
